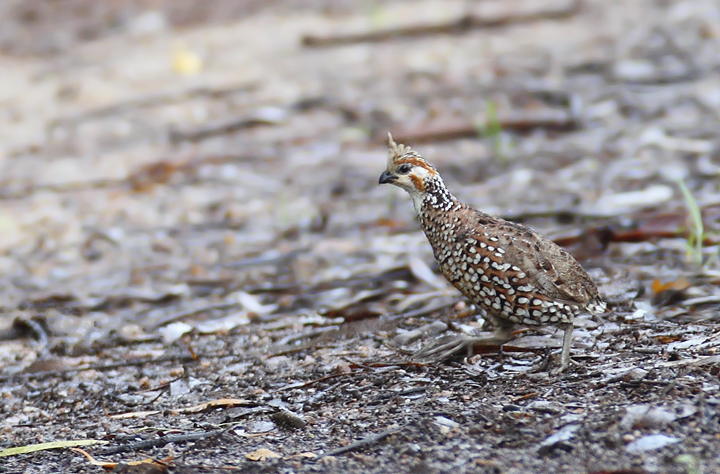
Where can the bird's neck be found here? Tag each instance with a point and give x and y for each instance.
(435, 204)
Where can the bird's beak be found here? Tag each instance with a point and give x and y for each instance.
(386, 177)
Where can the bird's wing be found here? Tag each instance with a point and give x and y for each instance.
(547, 267)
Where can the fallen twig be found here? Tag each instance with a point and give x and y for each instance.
(151, 101)
(519, 121)
(367, 441)
(220, 127)
(192, 312)
(483, 16)
(99, 367)
(313, 382)
(160, 442)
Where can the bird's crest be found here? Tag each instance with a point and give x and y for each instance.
(395, 151)
(399, 154)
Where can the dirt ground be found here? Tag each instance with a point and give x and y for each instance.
(198, 266)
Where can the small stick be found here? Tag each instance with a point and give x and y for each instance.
(160, 442)
(367, 441)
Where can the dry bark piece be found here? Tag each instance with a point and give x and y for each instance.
(262, 454)
(558, 440)
(288, 418)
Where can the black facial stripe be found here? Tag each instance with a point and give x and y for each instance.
(404, 169)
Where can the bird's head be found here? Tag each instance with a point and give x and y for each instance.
(408, 170)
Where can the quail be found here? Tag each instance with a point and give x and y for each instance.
(513, 273)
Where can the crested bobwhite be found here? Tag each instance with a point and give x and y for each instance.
(514, 273)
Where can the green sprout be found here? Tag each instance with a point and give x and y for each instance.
(376, 12)
(696, 233)
(492, 130)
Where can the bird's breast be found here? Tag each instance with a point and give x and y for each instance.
(480, 270)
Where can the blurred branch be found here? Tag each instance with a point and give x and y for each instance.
(481, 16)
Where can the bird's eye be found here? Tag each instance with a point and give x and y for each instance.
(404, 169)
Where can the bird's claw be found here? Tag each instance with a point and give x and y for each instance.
(448, 346)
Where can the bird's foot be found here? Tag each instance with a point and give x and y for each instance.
(564, 366)
(448, 346)
(550, 359)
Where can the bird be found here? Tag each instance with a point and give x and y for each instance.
(515, 274)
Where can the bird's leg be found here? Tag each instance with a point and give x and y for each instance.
(567, 342)
(503, 330)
